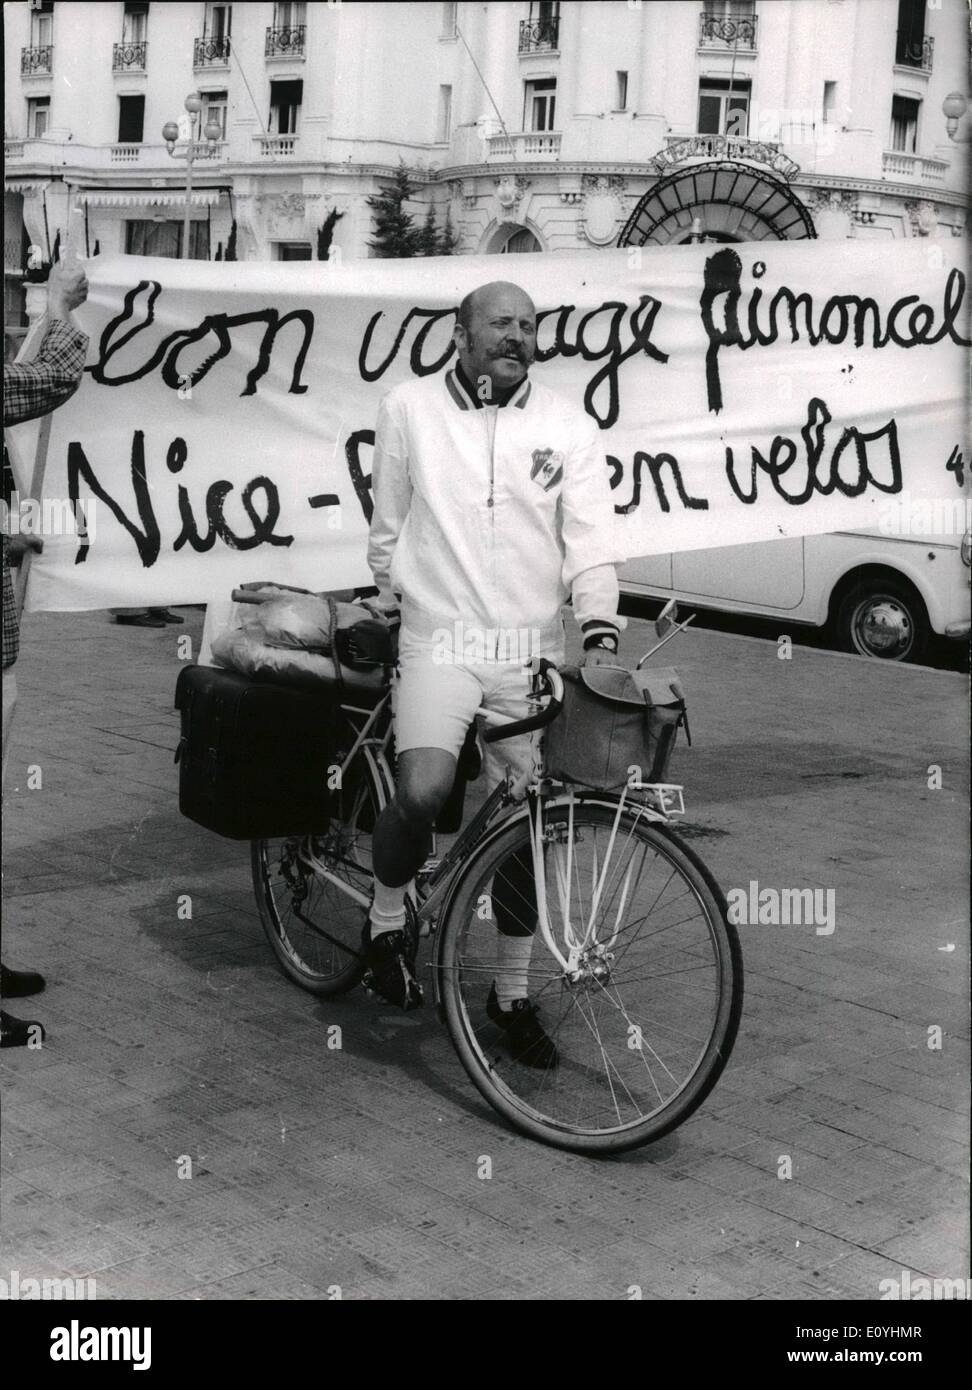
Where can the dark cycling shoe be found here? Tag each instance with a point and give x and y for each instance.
(388, 969)
(523, 1032)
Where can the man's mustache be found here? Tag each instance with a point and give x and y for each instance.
(511, 350)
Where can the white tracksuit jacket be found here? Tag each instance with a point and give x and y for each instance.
(490, 516)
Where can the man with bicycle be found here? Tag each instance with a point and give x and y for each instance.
(492, 506)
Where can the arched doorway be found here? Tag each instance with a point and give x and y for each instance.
(512, 240)
(732, 202)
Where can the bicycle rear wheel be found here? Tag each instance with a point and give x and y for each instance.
(312, 923)
(646, 1027)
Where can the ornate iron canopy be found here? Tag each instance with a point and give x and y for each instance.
(733, 202)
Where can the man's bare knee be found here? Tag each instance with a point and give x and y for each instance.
(424, 780)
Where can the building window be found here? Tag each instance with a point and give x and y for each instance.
(728, 23)
(540, 107)
(904, 124)
(131, 120)
(288, 14)
(285, 99)
(621, 91)
(161, 238)
(214, 109)
(42, 24)
(449, 20)
(830, 103)
(218, 22)
(913, 48)
(286, 37)
(723, 107)
(38, 116)
(135, 22)
(294, 251)
(541, 32)
(443, 127)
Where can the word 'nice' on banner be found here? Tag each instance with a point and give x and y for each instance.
(224, 427)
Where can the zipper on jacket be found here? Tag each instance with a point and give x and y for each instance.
(492, 414)
(492, 417)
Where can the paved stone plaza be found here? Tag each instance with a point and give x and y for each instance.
(319, 1173)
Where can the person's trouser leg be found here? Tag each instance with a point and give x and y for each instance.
(9, 704)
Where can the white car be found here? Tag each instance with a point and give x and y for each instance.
(880, 595)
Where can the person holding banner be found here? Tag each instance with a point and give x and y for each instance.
(492, 506)
(30, 390)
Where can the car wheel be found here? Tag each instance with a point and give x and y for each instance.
(883, 618)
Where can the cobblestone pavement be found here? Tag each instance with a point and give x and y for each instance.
(318, 1170)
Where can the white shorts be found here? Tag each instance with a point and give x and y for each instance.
(435, 701)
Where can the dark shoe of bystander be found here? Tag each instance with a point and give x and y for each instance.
(18, 1032)
(15, 984)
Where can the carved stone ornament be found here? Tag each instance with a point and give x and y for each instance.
(830, 200)
(603, 208)
(923, 217)
(509, 194)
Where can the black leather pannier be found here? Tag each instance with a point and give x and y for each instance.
(254, 757)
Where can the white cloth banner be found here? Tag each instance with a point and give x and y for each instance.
(224, 428)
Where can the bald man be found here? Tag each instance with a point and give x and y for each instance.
(492, 506)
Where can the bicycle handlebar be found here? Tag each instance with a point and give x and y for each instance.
(548, 672)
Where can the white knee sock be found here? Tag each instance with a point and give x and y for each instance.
(512, 963)
(388, 909)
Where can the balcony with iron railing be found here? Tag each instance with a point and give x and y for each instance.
(540, 35)
(285, 43)
(526, 144)
(209, 52)
(914, 52)
(129, 57)
(37, 60)
(723, 31)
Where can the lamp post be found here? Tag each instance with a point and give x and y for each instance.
(170, 134)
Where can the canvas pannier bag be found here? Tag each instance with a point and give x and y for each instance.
(253, 757)
(614, 720)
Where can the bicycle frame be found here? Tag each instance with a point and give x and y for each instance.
(437, 877)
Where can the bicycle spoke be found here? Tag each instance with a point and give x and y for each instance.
(646, 965)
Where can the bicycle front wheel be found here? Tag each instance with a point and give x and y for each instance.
(644, 1021)
(305, 887)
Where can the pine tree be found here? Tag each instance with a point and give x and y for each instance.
(449, 238)
(427, 240)
(325, 234)
(395, 234)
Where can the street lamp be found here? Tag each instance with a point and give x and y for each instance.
(170, 134)
(954, 108)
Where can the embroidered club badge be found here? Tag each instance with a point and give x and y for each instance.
(548, 468)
